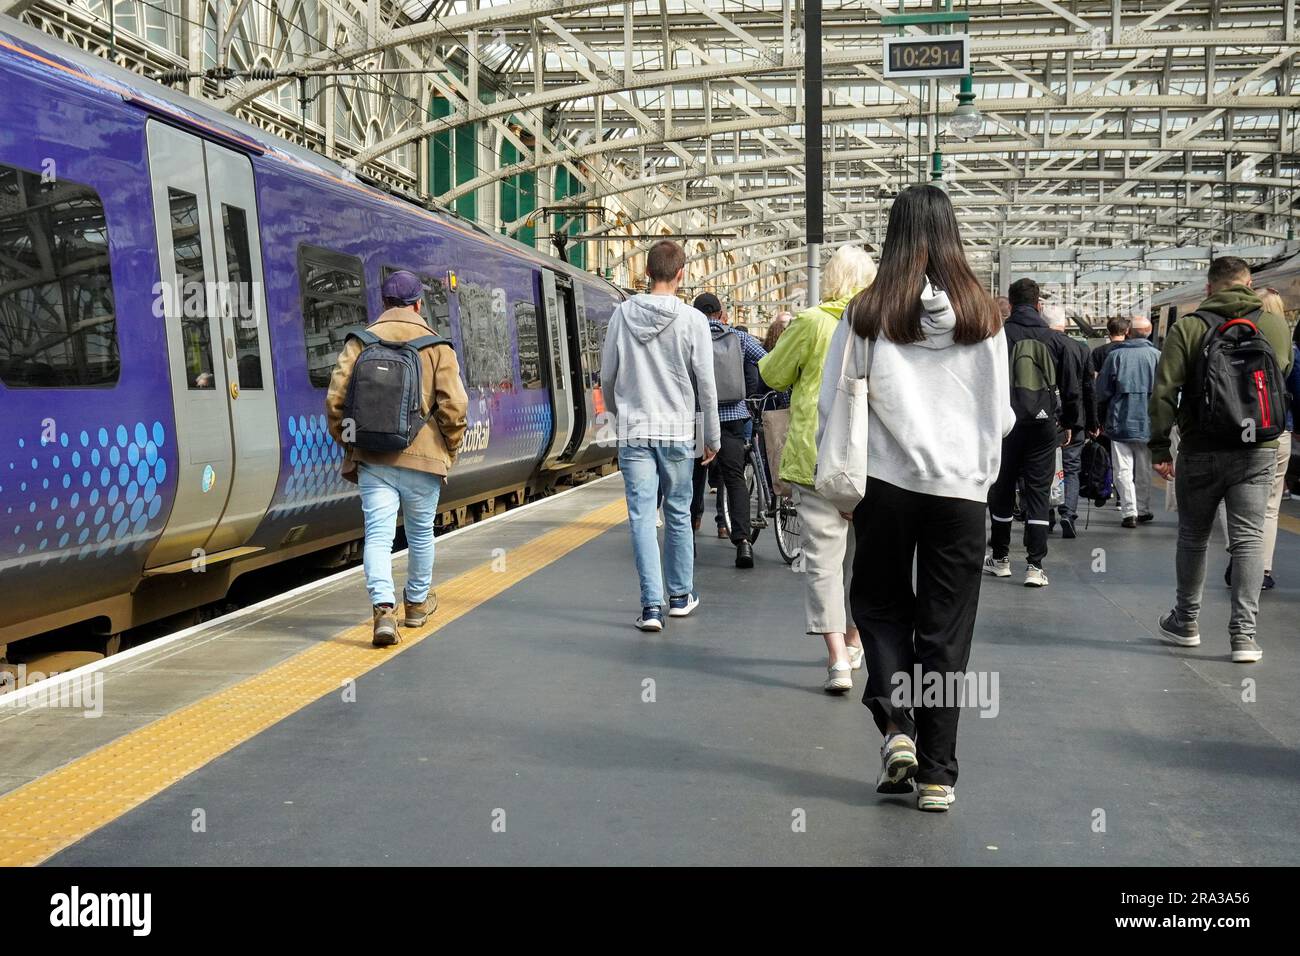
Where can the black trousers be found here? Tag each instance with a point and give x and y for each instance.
(1029, 452)
(931, 626)
(731, 470)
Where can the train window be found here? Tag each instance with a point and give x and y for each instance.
(530, 357)
(436, 312)
(239, 270)
(58, 326)
(484, 338)
(333, 305)
(595, 343)
(192, 289)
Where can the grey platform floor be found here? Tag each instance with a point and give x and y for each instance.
(530, 711)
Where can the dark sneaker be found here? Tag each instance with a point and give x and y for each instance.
(723, 531)
(1269, 584)
(1245, 650)
(1129, 522)
(744, 555)
(385, 626)
(651, 619)
(1179, 633)
(683, 604)
(1067, 527)
(1145, 517)
(897, 764)
(418, 614)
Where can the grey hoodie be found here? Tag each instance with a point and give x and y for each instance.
(654, 346)
(938, 410)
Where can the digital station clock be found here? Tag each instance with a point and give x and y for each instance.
(927, 57)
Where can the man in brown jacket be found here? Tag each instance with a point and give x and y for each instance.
(411, 478)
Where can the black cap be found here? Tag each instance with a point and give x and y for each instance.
(708, 303)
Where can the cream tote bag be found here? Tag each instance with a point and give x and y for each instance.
(841, 476)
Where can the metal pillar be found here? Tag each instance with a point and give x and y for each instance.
(812, 113)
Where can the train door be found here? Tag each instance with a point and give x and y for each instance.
(214, 308)
(590, 373)
(575, 346)
(552, 326)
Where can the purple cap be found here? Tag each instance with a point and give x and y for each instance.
(404, 287)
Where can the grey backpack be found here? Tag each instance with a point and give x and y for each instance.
(386, 390)
(728, 366)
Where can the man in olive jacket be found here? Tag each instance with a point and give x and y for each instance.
(411, 478)
(1208, 473)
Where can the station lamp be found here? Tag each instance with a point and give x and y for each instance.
(966, 120)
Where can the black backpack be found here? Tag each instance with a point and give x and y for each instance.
(385, 392)
(1236, 391)
(1034, 394)
(1096, 479)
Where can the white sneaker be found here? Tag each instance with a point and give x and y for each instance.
(935, 797)
(856, 657)
(838, 678)
(997, 568)
(1035, 577)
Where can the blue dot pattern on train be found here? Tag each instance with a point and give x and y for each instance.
(314, 458)
(86, 493)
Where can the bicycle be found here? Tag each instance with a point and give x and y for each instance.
(764, 505)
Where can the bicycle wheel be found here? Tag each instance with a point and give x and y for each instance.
(788, 530)
(756, 480)
(757, 504)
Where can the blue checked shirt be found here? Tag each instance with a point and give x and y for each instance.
(753, 351)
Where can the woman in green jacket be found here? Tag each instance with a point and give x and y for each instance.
(796, 363)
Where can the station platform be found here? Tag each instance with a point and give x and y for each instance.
(531, 723)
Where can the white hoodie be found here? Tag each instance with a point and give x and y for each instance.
(938, 410)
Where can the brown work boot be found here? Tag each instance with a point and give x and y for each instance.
(385, 626)
(417, 614)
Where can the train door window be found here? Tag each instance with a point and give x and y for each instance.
(530, 357)
(484, 338)
(333, 305)
(191, 290)
(58, 325)
(436, 312)
(239, 273)
(595, 343)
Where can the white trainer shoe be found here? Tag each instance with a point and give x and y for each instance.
(839, 678)
(1035, 577)
(998, 568)
(856, 657)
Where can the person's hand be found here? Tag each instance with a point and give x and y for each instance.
(846, 517)
(1165, 470)
(707, 458)
(1068, 436)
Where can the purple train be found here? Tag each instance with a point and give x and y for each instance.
(174, 287)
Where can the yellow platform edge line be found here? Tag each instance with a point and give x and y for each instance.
(65, 805)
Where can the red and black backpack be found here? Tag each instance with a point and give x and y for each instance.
(1236, 388)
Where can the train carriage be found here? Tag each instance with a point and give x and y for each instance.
(174, 287)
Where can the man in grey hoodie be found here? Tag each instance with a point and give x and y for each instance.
(657, 354)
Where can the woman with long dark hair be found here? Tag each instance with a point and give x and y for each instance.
(939, 396)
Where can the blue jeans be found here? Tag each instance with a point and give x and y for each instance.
(383, 489)
(646, 471)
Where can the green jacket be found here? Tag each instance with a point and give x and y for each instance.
(1177, 358)
(796, 363)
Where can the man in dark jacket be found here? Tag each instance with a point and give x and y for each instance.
(1072, 454)
(1208, 472)
(1029, 452)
